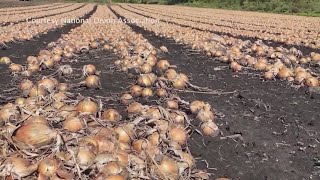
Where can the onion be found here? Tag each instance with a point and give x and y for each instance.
(139, 145)
(34, 68)
(20, 101)
(151, 60)
(260, 65)
(163, 65)
(312, 82)
(153, 113)
(63, 87)
(19, 166)
(67, 111)
(73, 124)
(147, 92)
(205, 115)
(162, 92)
(92, 81)
(171, 104)
(154, 139)
(177, 118)
(168, 168)
(178, 135)
(56, 58)
(85, 156)
(47, 83)
(135, 108)
(26, 85)
(125, 133)
(37, 120)
(186, 157)
(179, 84)
(87, 107)
(235, 66)
(162, 126)
(144, 80)
(112, 168)
(209, 128)
(111, 115)
(196, 106)
(5, 60)
(48, 63)
(36, 135)
(171, 74)
(122, 157)
(268, 75)
(114, 177)
(146, 68)
(37, 91)
(315, 57)
(48, 167)
(15, 68)
(136, 91)
(126, 99)
(89, 69)
(284, 73)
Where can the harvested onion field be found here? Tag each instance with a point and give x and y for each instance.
(131, 91)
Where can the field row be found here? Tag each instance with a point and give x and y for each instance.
(284, 29)
(33, 9)
(28, 8)
(29, 29)
(290, 64)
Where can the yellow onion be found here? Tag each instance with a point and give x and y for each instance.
(15, 68)
(111, 115)
(171, 74)
(163, 65)
(56, 58)
(147, 92)
(284, 73)
(34, 68)
(178, 135)
(111, 168)
(186, 157)
(151, 60)
(5, 60)
(85, 156)
(63, 87)
(209, 128)
(136, 91)
(315, 56)
(312, 82)
(235, 66)
(36, 135)
(48, 63)
(146, 68)
(26, 85)
(168, 167)
(126, 99)
(162, 125)
(67, 111)
(37, 120)
(177, 118)
(19, 166)
(125, 133)
(139, 145)
(179, 84)
(36, 91)
(205, 115)
(48, 167)
(47, 83)
(88, 107)
(260, 65)
(135, 108)
(154, 139)
(122, 157)
(268, 75)
(162, 92)
(153, 113)
(144, 80)
(89, 69)
(73, 124)
(171, 104)
(20, 101)
(92, 81)
(196, 106)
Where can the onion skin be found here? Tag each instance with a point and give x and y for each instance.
(87, 107)
(111, 115)
(92, 82)
(19, 166)
(48, 167)
(73, 124)
(168, 168)
(178, 135)
(36, 135)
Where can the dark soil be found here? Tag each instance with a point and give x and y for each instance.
(279, 124)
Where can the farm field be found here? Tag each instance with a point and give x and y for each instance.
(132, 91)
